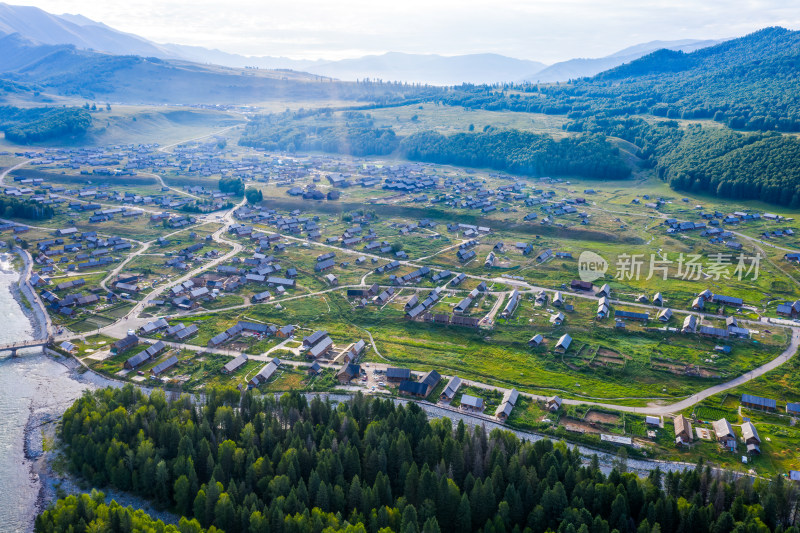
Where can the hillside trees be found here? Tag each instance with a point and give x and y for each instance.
(520, 152)
(717, 161)
(36, 124)
(353, 134)
(747, 83)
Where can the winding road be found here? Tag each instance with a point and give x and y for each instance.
(132, 320)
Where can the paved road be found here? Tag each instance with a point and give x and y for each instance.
(119, 329)
(11, 169)
(132, 321)
(161, 181)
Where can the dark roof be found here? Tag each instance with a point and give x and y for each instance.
(125, 343)
(321, 347)
(137, 359)
(253, 326)
(630, 314)
(315, 337)
(583, 285)
(351, 369)
(431, 378)
(186, 332)
(398, 373)
(235, 363)
(721, 298)
(413, 387)
(757, 400)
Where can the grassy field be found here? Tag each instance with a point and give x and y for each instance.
(631, 366)
(406, 120)
(634, 366)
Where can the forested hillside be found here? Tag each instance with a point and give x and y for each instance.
(35, 124)
(253, 464)
(762, 166)
(746, 83)
(520, 152)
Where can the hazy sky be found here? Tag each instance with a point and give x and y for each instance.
(543, 30)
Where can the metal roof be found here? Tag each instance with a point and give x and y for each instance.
(472, 401)
(759, 401)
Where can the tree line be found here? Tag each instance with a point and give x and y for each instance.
(14, 208)
(232, 185)
(36, 124)
(251, 463)
(89, 513)
(725, 163)
(521, 152)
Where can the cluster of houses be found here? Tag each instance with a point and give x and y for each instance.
(709, 226)
(71, 250)
(189, 254)
(722, 430)
(180, 331)
(128, 160)
(257, 270)
(150, 353)
(468, 231)
(293, 224)
(198, 159)
(725, 436)
(690, 324)
(464, 253)
(422, 309)
(318, 344)
(416, 308)
(789, 309)
(507, 405)
(464, 305)
(247, 328)
(707, 297)
(408, 387)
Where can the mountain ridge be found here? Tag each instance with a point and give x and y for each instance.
(435, 69)
(587, 67)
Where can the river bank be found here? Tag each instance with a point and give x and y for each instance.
(24, 295)
(34, 392)
(46, 464)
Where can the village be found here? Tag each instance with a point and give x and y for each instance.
(151, 272)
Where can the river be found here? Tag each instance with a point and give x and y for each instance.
(32, 386)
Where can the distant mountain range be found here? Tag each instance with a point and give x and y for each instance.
(38, 26)
(63, 69)
(583, 68)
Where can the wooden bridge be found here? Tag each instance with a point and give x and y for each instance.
(14, 346)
